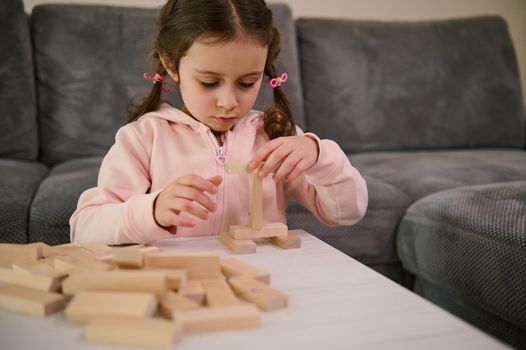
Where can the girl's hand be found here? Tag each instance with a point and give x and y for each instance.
(185, 194)
(287, 157)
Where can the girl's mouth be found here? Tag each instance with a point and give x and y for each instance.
(225, 120)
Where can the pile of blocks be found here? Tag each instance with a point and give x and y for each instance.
(135, 295)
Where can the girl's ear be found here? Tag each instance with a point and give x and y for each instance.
(169, 68)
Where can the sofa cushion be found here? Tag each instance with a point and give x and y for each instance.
(418, 174)
(415, 85)
(18, 123)
(470, 243)
(90, 62)
(19, 181)
(57, 198)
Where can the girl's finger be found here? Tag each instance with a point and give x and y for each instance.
(274, 160)
(193, 194)
(216, 180)
(297, 171)
(190, 207)
(177, 220)
(198, 182)
(287, 166)
(263, 152)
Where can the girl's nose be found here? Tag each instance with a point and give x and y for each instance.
(227, 100)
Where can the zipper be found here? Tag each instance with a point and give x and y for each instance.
(220, 156)
(220, 150)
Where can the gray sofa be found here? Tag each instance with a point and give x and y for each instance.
(431, 113)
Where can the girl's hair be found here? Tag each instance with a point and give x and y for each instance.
(181, 22)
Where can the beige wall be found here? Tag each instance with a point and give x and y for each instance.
(514, 11)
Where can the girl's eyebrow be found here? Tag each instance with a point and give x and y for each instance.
(207, 72)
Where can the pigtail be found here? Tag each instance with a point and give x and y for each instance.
(152, 101)
(278, 120)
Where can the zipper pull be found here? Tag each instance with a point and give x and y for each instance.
(221, 155)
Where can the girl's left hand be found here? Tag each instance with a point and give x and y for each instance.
(287, 157)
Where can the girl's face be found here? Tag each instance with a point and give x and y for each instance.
(219, 82)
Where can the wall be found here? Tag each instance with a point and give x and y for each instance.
(514, 11)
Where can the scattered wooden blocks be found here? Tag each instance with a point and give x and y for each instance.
(89, 305)
(149, 333)
(30, 301)
(120, 304)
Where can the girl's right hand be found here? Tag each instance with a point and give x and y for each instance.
(186, 195)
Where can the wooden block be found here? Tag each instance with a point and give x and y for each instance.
(176, 302)
(72, 250)
(289, 241)
(218, 293)
(198, 265)
(259, 293)
(268, 230)
(175, 278)
(132, 257)
(32, 280)
(13, 253)
(193, 290)
(255, 211)
(98, 249)
(147, 333)
(238, 246)
(218, 319)
(69, 264)
(128, 258)
(89, 305)
(154, 282)
(236, 168)
(232, 267)
(29, 301)
(40, 268)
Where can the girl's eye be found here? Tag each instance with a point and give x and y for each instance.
(246, 85)
(209, 85)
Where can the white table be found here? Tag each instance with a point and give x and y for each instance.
(335, 302)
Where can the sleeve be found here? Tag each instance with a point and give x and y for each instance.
(120, 209)
(332, 190)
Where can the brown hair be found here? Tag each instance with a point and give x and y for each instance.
(181, 22)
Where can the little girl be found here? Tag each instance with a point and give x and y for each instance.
(165, 175)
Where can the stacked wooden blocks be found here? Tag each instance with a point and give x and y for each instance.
(135, 295)
(240, 238)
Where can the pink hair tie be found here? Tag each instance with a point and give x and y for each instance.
(157, 78)
(275, 82)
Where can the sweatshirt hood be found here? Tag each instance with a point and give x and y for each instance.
(175, 115)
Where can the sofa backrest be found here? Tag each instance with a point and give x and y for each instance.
(414, 85)
(89, 64)
(18, 121)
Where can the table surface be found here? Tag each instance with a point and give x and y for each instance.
(335, 302)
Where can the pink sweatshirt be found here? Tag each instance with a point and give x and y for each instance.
(166, 144)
